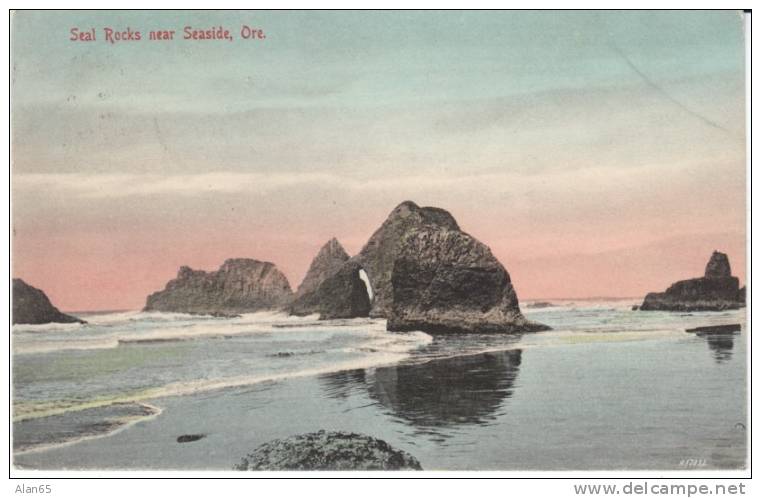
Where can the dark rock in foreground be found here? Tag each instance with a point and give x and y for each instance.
(328, 451)
(32, 306)
(443, 281)
(189, 438)
(239, 286)
(718, 290)
(332, 287)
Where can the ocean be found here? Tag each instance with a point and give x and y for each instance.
(607, 389)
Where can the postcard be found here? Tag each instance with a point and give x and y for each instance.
(379, 240)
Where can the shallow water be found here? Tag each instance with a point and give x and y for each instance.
(608, 388)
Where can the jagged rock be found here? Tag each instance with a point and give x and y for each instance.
(332, 287)
(328, 261)
(239, 286)
(444, 280)
(718, 290)
(32, 306)
(377, 257)
(328, 451)
(343, 294)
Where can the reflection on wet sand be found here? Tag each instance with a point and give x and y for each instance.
(720, 339)
(439, 393)
(721, 345)
(340, 385)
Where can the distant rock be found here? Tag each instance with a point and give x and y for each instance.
(443, 280)
(332, 287)
(540, 305)
(239, 286)
(328, 451)
(718, 290)
(380, 252)
(216, 314)
(32, 306)
(341, 295)
(718, 266)
(716, 329)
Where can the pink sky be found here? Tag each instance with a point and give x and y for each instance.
(595, 153)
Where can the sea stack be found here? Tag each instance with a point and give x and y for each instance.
(380, 252)
(717, 290)
(443, 280)
(32, 306)
(332, 287)
(239, 286)
(426, 274)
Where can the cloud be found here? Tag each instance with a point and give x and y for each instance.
(636, 180)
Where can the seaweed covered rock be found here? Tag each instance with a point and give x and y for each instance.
(328, 451)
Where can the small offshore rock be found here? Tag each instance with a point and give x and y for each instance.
(189, 438)
(717, 290)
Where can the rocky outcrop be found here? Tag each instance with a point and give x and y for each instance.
(328, 261)
(378, 256)
(332, 287)
(239, 286)
(422, 273)
(718, 266)
(32, 306)
(443, 280)
(328, 451)
(717, 290)
(341, 295)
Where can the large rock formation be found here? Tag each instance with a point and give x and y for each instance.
(32, 306)
(328, 451)
(239, 286)
(716, 291)
(423, 272)
(381, 251)
(444, 280)
(332, 287)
